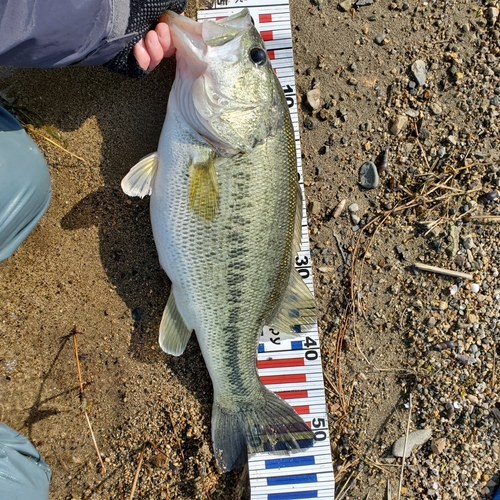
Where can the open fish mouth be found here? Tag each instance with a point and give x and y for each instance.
(192, 38)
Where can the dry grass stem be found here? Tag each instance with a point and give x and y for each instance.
(332, 385)
(404, 450)
(494, 369)
(83, 401)
(176, 436)
(241, 492)
(137, 471)
(32, 129)
(380, 466)
(205, 487)
(485, 218)
(347, 485)
(422, 150)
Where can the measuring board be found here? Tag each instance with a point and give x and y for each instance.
(291, 367)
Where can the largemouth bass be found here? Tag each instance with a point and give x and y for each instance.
(226, 212)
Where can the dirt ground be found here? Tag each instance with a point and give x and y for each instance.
(389, 332)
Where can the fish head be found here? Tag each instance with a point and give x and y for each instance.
(225, 87)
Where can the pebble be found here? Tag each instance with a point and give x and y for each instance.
(339, 208)
(353, 207)
(368, 175)
(488, 197)
(314, 98)
(449, 409)
(412, 113)
(346, 5)
(492, 15)
(397, 124)
(315, 207)
(473, 399)
(465, 360)
(474, 288)
(436, 108)
(419, 70)
(380, 39)
(415, 438)
(487, 71)
(468, 242)
(438, 445)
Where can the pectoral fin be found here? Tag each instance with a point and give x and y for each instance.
(138, 181)
(174, 334)
(296, 312)
(204, 189)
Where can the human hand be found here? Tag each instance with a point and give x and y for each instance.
(151, 41)
(157, 44)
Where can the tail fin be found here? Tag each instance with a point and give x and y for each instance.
(269, 425)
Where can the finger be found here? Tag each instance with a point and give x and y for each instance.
(163, 32)
(141, 55)
(155, 50)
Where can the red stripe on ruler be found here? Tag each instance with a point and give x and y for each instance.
(271, 54)
(280, 363)
(265, 18)
(284, 379)
(292, 394)
(267, 36)
(301, 410)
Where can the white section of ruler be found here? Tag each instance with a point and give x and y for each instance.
(291, 367)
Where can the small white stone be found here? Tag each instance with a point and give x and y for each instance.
(314, 98)
(415, 438)
(474, 288)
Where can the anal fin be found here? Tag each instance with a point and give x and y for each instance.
(174, 334)
(296, 312)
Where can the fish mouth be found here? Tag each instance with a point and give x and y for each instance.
(191, 36)
(188, 40)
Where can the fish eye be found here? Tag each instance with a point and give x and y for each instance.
(258, 56)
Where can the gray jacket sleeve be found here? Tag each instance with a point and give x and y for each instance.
(53, 33)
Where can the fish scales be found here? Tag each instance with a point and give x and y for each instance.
(226, 218)
(228, 254)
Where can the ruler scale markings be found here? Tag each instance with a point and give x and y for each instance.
(289, 366)
(295, 478)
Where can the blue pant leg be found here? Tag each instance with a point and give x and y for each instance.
(24, 184)
(24, 475)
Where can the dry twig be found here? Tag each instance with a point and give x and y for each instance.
(440, 270)
(137, 471)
